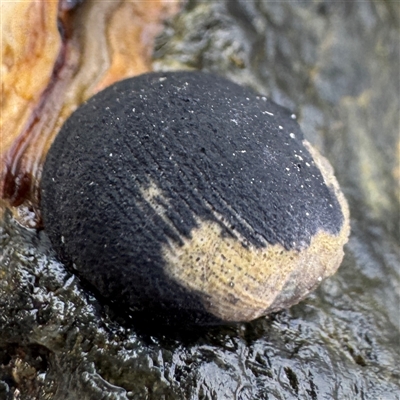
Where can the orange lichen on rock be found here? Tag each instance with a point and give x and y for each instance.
(53, 59)
(29, 48)
(131, 32)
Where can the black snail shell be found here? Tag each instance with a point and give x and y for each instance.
(184, 193)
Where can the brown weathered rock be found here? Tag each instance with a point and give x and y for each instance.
(54, 58)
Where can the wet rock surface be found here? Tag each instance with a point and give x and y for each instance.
(335, 65)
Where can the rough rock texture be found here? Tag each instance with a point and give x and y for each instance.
(335, 65)
(54, 56)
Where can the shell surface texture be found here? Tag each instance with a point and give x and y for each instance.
(184, 194)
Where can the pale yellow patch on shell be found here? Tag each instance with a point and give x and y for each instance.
(241, 283)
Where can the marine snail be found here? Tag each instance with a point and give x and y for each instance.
(185, 194)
